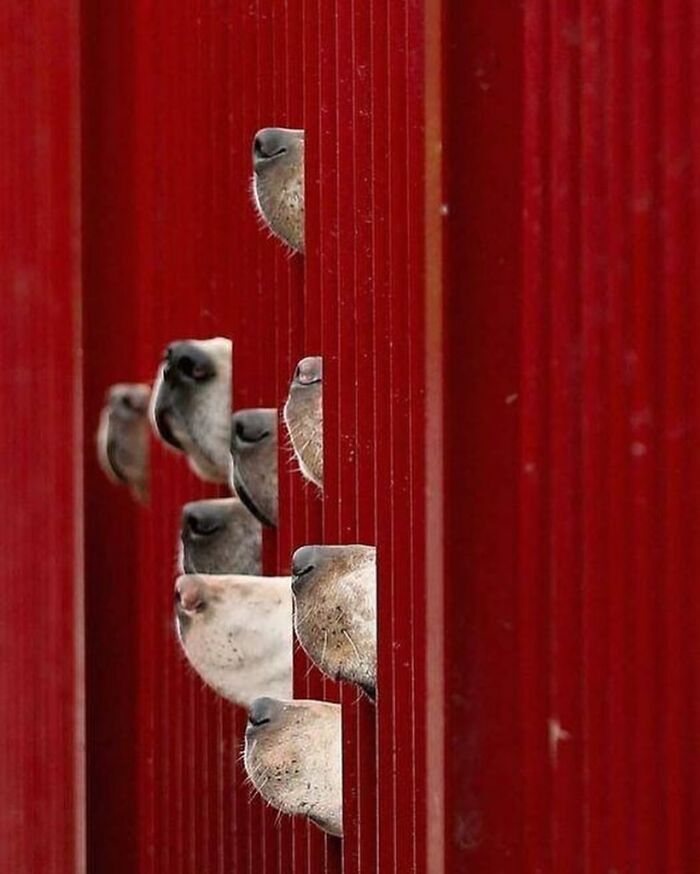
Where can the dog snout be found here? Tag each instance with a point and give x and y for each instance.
(263, 711)
(133, 402)
(249, 427)
(186, 362)
(190, 595)
(304, 562)
(270, 143)
(129, 400)
(309, 371)
(201, 519)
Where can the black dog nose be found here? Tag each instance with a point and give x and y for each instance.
(269, 143)
(309, 371)
(262, 711)
(187, 362)
(304, 561)
(251, 426)
(202, 518)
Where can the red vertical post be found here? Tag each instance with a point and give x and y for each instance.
(112, 518)
(365, 262)
(41, 626)
(568, 318)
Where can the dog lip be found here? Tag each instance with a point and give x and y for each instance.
(187, 565)
(112, 458)
(303, 572)
(247, 500)
(164, 429)
(298, 576)
(260, 162)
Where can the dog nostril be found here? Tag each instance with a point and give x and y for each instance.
(192, 369)
(201, 521)
(188, 362)
(268, 144)
(304, 562)
(265, 150)
(204, 527)
(189, 596)
(309, 371)
(262, 711)
(250, 432)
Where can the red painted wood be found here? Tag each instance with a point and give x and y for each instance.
(511, 419)
(367, 263)
(112, 520)
(570, 410)
(41, 622)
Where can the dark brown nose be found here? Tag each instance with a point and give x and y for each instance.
(309, 371)
(203, 518)
(186, 362)
(190, 594)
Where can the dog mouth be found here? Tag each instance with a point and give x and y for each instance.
(261, 164)
(188, 566)
(163, 424)
(183, 623)
(247, 499)
(112, 451)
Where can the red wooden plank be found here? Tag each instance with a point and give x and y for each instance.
(595, 439)
(482, 301)
(41, 674)
(691, 30)
(110, 311)
(618, 724)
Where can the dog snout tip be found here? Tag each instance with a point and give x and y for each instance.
(262, 711)
(187, 362)
(200, 520)
(189, 595)
(309, 371)
(304, 562)
(248, 427)
(269, 143)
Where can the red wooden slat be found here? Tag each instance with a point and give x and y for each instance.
(369, 96)
(600, 248)
(41, 624)
(110, 311)
(692, 29)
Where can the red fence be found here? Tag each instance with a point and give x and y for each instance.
(177, 252)
(500, 274)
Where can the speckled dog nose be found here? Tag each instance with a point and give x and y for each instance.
(190, 594)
